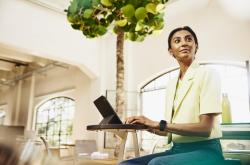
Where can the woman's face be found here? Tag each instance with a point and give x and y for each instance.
(183, 46)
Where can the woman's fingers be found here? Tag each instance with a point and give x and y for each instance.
(141, 120)
(131, 120)
(138, 120)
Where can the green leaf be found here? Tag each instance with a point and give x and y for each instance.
(140, 13)
(76, 26)
(73, 7)
(157, 32)
(128, 10)
(160, 16)
(151, 8)
(121, 23)
(87, 13)
(135, 3)
(138, 26)
(159, 25)
(101, 30)
(116, 29)
(164, 1)
(95, 2)
(160, 8)
(136, 18)
(106, 3)
(110, 18)
(85, 4)
(131, 36)
(140, 38)
(71, 18)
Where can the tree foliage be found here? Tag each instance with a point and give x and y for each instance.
(136, 18)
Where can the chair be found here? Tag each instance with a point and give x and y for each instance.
(51, 151)
(46, 146)
(84, 149)
(160, 145)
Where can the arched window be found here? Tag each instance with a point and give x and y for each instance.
(234, 82)
(54, 120)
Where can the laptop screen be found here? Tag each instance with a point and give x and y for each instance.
(107, 111)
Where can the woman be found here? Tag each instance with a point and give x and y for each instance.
(192, 111)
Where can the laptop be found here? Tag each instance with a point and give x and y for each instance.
(110, 118)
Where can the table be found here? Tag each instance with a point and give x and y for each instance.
(121, 130)
(99, 162)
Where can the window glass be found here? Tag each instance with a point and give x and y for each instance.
(54, 120)
(153, 104)
(234, 83)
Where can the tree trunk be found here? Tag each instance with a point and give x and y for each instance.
(120, 93)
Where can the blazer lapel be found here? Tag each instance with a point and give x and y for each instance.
(171, 94)
(186, 85)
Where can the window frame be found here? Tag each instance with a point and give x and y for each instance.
(60, 121)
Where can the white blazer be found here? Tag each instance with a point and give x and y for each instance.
(200, 93)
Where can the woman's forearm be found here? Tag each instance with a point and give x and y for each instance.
(158, 132)
(195, 129)
(203, 128)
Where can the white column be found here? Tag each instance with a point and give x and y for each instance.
(18, 101)
(31, 103)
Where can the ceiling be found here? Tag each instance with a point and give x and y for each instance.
(239, 8)
(17, 64)
(61, 5)
(56, 5)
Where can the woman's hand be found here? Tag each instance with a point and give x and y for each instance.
(142, 120)
(153, 125)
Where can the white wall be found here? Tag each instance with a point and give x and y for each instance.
(108, 61)
(46, 33)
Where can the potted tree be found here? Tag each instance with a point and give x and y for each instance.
(129, 19)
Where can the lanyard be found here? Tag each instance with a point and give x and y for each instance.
(172, 112)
